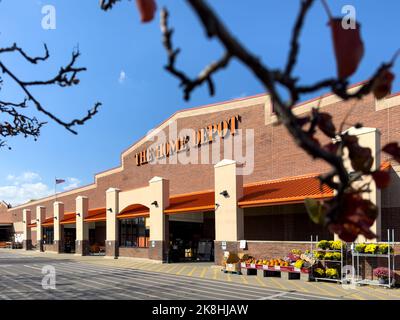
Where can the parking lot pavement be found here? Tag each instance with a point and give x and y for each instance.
(21, 278)
(102, 278)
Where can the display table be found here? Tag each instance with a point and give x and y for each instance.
(274, 271)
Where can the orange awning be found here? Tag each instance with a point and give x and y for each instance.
(191, 202)
(284, 191)
(134, 211)
(69, 218)
(32, 225)
(98, 214)
(48, 222)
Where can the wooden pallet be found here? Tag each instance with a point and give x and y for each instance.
(231, 272)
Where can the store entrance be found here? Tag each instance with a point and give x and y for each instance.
(69, 240)
(191, 238)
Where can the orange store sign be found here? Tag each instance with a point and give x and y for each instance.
(201, 136)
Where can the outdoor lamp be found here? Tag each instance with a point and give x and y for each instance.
(55, 218)
(224, 193)
(109, 209)
(155, 203)
(216, 206)
(78, 214)
(37, 220)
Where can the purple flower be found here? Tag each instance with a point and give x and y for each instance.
(382, 273)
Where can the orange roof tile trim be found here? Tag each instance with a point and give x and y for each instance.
(98, 214)
(134, 211)
(284, 191)
(32, 225)
(191, 202)
(48, 222)
(69, 218)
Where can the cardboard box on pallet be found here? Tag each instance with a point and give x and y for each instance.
(231, 262)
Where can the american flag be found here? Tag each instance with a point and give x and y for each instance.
(58, 181)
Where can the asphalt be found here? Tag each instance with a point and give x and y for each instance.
(21, 278)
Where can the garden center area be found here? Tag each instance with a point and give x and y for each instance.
(326, 260)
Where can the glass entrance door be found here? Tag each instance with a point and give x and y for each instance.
(69, 240)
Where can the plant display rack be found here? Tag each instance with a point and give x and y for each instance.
(338, 264)
(390, 256)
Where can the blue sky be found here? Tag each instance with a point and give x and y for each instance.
(116, 43)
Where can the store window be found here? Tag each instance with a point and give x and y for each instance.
(133, 233)
(48, 235)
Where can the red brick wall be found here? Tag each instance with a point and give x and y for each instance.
(390, 220)
(134, 252)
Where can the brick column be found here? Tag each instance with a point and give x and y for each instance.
(58, 228)
(112, 236)
(228, 216)
(26, 220)
(82, 228)
(40, 217)
(159, 235)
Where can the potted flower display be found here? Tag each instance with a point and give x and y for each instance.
(371, 248)
(331, 273)
(360, 247)
(384, 249)
(319, 273)
(382, 274)
(323, 244)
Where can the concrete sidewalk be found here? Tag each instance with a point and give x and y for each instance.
(211, 271)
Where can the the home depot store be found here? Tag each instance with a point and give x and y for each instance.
(215, 174)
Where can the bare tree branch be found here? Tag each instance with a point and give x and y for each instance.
(107, 4)
(205, 76)
(33, 60)
(67, 76)
(294, 43)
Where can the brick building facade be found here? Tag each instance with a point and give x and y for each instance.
(218, 194)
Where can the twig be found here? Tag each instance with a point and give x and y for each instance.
(205, 76)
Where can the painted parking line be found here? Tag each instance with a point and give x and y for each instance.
(89, 268)
(322, 290)
(211, 292)
(298, 286)
(221, 286)
(203, 272)
(262, 283)
(192, 271)
(181, 270)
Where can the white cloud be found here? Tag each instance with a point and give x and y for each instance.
(20, 193)
(24, 177)
(72, 183)
(122, 77)
(29, 186)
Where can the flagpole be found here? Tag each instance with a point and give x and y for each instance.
(55, 188)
